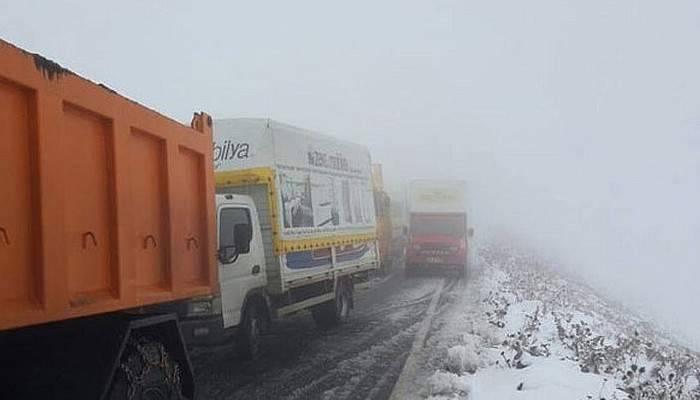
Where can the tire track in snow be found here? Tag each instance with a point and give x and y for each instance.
(370, 373)
(354, 368)
(401, 387)
(351, 373)
(360, 360)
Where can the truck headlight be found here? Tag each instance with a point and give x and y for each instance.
(201, 307)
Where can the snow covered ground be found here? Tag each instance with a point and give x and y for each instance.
(518, 330)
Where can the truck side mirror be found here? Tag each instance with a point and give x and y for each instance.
(242, 235)
(470, 232)
(227, 254)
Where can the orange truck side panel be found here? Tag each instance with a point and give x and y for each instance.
(148, 189)
(18, 241)
(105, 204)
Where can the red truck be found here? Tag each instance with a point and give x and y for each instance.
(438, 236)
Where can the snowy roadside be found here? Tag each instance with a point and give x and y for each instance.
(518, 330)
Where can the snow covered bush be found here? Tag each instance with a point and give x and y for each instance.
(529, 329)
(602, 338)
(464, 357)
(447, 385)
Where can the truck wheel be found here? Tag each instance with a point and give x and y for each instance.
(146, 372)
(249, 335)
(335, 312)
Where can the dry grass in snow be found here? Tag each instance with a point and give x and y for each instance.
(522, 331)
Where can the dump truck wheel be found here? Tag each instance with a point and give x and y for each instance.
(146, 372)
(249, 336)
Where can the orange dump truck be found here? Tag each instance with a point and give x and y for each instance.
(105, 209)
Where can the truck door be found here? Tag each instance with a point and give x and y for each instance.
(242, 269)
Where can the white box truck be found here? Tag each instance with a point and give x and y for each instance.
(297, 230)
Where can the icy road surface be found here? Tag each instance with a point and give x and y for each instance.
(360, 360)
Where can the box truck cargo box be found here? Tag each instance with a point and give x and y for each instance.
(437, 196)
(382, 206)
(313, 193)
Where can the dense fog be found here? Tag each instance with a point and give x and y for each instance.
(576, 126)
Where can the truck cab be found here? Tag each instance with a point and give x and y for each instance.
(438, 240)
(242, 274)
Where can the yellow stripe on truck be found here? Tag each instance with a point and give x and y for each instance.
(265, 175)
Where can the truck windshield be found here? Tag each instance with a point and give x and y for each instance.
(424, 225)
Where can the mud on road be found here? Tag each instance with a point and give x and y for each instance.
(359, 360)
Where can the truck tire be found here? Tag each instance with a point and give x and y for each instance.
(248, 342)
(334, 312)
(146, 372)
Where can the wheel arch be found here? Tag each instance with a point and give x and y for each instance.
(346, 282)
(257, 297)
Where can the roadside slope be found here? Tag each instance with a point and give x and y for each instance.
(525, 332)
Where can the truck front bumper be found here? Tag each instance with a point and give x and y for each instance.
(436, 261)
(205, 331)
(421, 266)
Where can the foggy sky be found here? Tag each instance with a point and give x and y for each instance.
(576, 124)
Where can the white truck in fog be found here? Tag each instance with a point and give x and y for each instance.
(439, 235)
(297, 230)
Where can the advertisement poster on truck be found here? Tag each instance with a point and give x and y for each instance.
(324, 184)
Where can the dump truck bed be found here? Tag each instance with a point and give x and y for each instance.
(104, 204)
